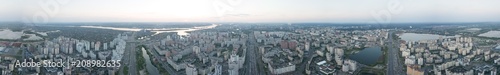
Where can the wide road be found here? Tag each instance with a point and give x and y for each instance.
(130, 52)
(394, 67)
(128, 58)
(250, 65)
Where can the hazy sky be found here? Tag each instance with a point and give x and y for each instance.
(334, 11)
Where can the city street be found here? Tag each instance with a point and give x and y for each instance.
(302, 67)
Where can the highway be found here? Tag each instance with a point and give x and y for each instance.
(129, 56)
(250, 66)
(394, 67)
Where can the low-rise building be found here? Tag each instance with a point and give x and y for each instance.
(414, 70)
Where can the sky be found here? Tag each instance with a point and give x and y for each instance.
(252, 11)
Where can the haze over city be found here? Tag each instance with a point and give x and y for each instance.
(295, 11)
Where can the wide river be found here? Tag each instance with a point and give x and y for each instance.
(420, 37)
(180, 31)
(493, 34)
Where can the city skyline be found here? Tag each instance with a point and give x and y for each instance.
(249, 37)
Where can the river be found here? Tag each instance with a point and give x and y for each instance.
(152, 70)
(180, 31)
(493, 34)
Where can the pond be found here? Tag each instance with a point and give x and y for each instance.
(367, 56)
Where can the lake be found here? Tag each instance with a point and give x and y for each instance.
(367, 56)
(494, 34)
(420, 37)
